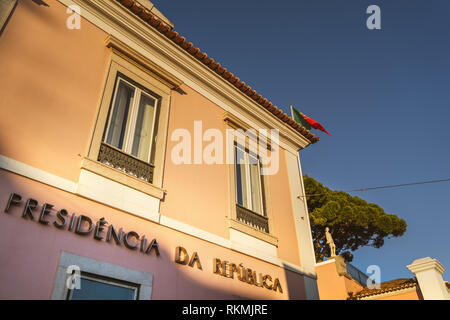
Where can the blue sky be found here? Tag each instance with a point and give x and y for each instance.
(384, 96)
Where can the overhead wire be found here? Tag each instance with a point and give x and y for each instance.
(382, 187)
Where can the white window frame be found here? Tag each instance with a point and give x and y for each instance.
(247, 155)
(143, 280)
(130, 126)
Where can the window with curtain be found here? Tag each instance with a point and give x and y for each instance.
(249, 187)
(131, 122)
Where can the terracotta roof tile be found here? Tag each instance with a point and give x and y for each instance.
(145, 15)
(227, 75)
(165, 29)
(388, 286)
(136, 8)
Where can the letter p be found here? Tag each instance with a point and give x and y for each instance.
(14, 199)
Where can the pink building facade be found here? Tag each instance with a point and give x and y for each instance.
(107, 178)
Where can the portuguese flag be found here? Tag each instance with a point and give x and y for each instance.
(306, 122)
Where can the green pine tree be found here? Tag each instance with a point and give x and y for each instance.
(353, 222)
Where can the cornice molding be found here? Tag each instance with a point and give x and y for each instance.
(426, 264)
(236, 123)
(127, 52)
(117, 21)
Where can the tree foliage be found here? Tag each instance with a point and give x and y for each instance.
(353, 222)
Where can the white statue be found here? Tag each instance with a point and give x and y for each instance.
(330, 242)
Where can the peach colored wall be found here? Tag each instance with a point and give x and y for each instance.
(283, 214)
(196, 194)
(334, 287)
(30, 251)
(331, 286)
(49, 104)
(50, 87)
(352, 286)
(199, 194)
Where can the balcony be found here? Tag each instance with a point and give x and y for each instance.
(252, 219)
(357, 274)
(122, 161)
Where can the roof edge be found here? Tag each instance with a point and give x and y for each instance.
(408, 283)
(166, 29)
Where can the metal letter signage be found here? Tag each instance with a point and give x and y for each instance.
(100, 230)
(82, 224)
(227, 270)
(182, 257)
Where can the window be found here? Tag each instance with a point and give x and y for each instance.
(93, 287)
(248, 180)
(129, 139)
(100, 280)
(132, 119)
(249, 190)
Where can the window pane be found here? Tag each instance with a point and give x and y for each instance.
(94, 290)
(241, 184)
(255, 185)
(117, 126)
(143, 129)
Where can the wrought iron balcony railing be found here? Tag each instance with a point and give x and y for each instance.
(357, 274)
(252, 219)
(120, 160)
